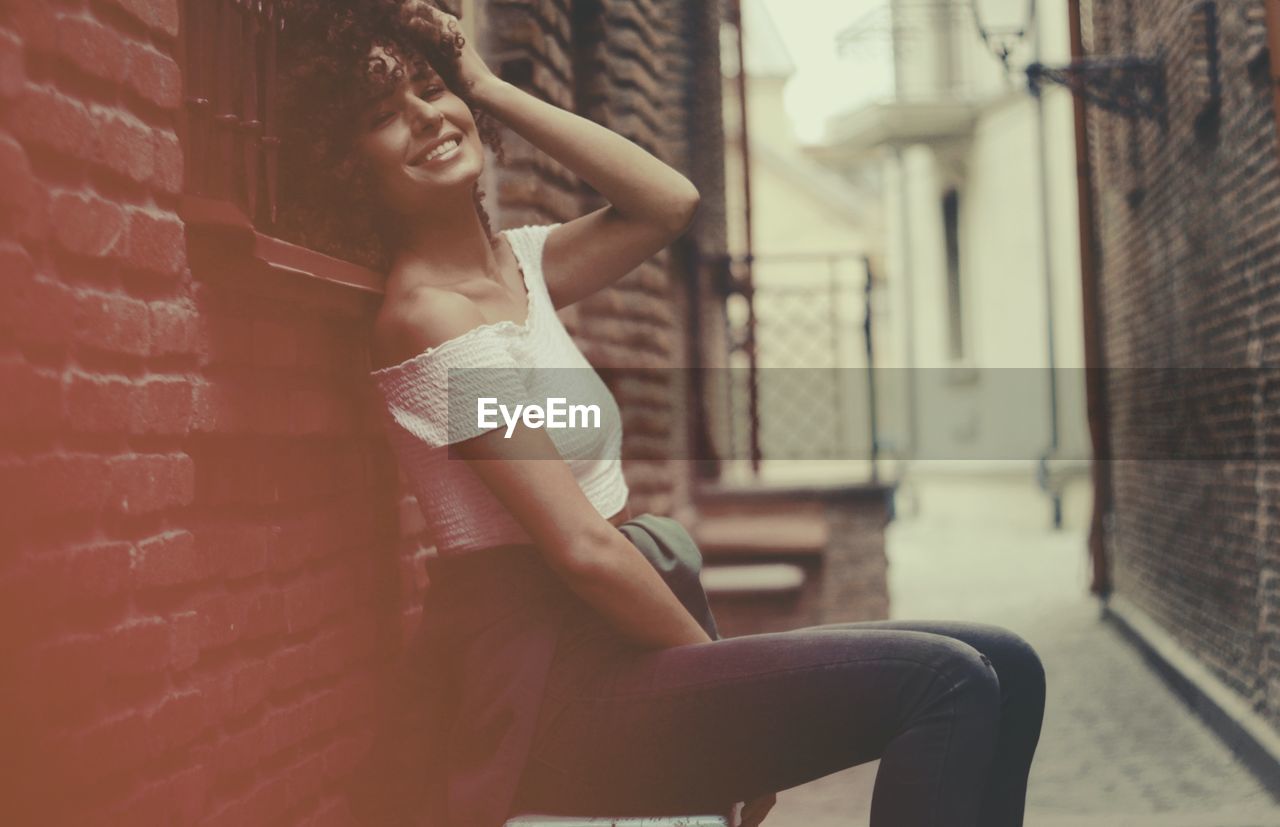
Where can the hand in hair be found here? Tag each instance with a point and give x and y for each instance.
(472, 68)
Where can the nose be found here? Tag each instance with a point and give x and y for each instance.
(423, 117)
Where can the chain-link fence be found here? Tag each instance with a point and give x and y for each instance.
(795, 334)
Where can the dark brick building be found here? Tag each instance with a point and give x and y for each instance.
(207, 567)
(1188, 273)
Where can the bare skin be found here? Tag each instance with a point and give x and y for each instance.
(447, 279)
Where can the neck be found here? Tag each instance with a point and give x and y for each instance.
(446, 246)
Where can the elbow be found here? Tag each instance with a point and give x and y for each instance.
(684, 208)
(589, 554)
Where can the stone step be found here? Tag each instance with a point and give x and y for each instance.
(767, 535)
(753, 580)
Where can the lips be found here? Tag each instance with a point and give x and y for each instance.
(421, 156)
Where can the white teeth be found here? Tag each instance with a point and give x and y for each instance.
(444, 149)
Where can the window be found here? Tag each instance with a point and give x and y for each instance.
(229, 63)
(955, 293)
(228, 51)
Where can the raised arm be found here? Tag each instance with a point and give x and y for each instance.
(650, 204)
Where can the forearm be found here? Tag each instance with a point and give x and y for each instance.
(632, 595)
(635, 183)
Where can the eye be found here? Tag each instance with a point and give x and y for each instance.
(432, 91)
(382, 118)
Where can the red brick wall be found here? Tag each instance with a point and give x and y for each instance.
(199, 566)
(209, 566)
(1190, 256)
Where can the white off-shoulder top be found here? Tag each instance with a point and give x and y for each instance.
(431, 403)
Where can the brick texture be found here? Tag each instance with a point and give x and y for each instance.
(648, 71)
(1190, 266)
(209, 565)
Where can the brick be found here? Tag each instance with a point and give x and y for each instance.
(113, 747)
(173, 329)
(167, 169)
(310, 601)
(36, 25)
(13, 73)
(126, 147)
(217, 624)
(177, 720)
(34, 397)
(53, 486)
(250, 686)
(293, 666)
(162, 406)
(36, 310)
(341, 646)
(58, 676)
(99, 404)
(97, 571)
(155, 77)
(169, 559)
(240, 752)
(266, 803)
(331, 813)
(235, 551)
(92, 47)
(184, 640)
(144, 483)
(305, 778)
(218, 407)
(179, 798)
(88, 225)
(159, 15)
(113, 323)
(261, 614)
(23, 200)
(157, 243)
(135, 648)
(43, 117)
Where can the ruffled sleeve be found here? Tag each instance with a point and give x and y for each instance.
(434, 395)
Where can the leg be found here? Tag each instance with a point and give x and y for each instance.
(1022, 698)
(694, 728)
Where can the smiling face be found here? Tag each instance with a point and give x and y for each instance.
(419, 139)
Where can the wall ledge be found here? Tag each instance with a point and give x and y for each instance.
(1243, 731)
(223, 238)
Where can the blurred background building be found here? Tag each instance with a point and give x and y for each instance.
(982, 387)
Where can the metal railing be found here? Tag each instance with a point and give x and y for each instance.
(801, 343)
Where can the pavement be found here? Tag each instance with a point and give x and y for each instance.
(1117, 748)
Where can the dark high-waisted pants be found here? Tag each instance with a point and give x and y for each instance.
(952, 710)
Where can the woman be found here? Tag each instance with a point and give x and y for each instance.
(561, 673)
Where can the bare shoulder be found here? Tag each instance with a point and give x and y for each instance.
(423, 318)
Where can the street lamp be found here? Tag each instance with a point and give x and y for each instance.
(1129, 85)
(1003, 25)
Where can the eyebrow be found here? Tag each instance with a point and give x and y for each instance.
(421, 71)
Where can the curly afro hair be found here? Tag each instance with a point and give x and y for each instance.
(327, 197)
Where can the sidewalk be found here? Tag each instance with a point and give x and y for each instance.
(1117, 749)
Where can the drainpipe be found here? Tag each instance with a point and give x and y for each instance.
(1094, 343)
(1046, 264)
(905, 457)
(1273, 49)
(747, 282)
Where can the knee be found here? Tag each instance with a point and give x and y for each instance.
(965, 671)
(1019, 662)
